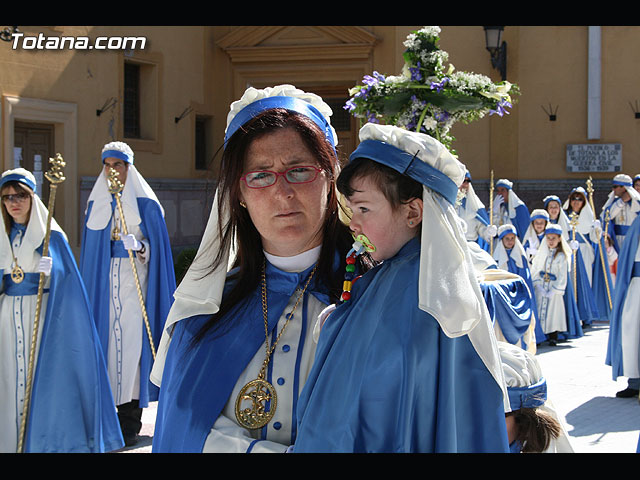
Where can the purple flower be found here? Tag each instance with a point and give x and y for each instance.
(438, 86)
(500, 110)
(350, 105)
(416, 75)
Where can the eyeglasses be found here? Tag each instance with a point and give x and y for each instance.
(577, 198)
(15, 197)
(294, 175)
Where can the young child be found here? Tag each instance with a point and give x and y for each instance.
(551, 270)
(534, 235)
(408, 361)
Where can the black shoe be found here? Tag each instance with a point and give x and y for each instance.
(627, 393)
(130, 439)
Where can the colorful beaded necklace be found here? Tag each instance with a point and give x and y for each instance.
(361, 244)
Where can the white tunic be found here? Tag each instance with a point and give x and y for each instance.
(227, 435)
(630, 328)
(126, 327)
(550, 290)
(17, 315)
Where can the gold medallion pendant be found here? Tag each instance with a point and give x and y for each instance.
(256, 404)
(17, 274)
(257, 401)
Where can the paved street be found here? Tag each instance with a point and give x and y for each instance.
(580, 387)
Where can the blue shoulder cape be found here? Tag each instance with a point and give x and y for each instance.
(95, 259)
(387, 379)
(602, 284)
(71, 409)
(198, 379)
(522, 220)
(511, 303)
(483, 217)
(625, 273)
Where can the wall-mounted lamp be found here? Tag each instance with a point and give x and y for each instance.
(636, 109)
(107, 105)
(551, 112)
(183, 114)
(497, 49)
(6, 33)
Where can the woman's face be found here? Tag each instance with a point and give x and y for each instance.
(539, 225)
(17, 203)
(553, 208)
(553, 239)
(576, 202)
(289, 217)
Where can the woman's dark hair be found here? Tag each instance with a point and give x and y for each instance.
(248, 265)
(535, 429)
(20, 188)
(584, 201)
(396, 187)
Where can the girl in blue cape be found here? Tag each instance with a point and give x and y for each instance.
(237, 346)
(551, 272)
(509, 209)
(408, 362)
(71, 409)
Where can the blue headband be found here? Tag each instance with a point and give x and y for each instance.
(467, 175)
(503, 184)
(117, 154)
(624, 184)
(507, 231)
(288, 103)
(537, 216)
(531, 396)
(16, 177)
(551, 198)
(553, 228)
(404, 163)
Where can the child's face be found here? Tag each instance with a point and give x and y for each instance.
(553, 208)
(539, 225)
(553, 239)
(509, 240)
(373, 215)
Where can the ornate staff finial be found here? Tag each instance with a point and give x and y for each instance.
(115, 185)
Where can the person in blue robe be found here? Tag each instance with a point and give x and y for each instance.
(405, 363)
(551, 271)
(624, 329)
(620, 210)
(510, 256)
(508, 208)
(249, 309)
(111, 282)
(471, 209)
(71, 409)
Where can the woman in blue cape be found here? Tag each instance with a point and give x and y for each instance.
(508, 208)
(237, 347)
(408, 362)
(71, 408)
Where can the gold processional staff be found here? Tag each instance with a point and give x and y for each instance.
(491, 208)
(115, 188)
(601, 240)
(55, 176)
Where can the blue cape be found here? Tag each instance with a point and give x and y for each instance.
(511, 304)
(387, 379)
(521, 221)
(189, 403)
(626, 260)
(71, 409)
(602, 285)
(95, 259)
(586, 301)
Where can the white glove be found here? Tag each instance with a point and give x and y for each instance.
(491, 231)
(574, 244)
(597, 225)
(44, 265)
(131, 243)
